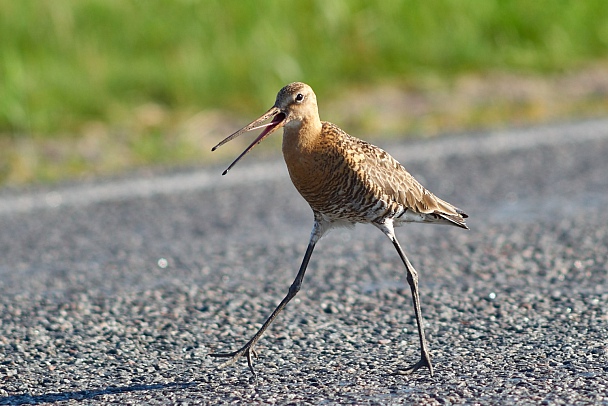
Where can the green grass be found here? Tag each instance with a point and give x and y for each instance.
(71, 67)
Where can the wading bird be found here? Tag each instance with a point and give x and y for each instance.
(346, 181)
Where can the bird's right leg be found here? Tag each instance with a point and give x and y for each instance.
(248, 348)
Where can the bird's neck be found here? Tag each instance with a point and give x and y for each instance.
(301, 135)
(303, 150)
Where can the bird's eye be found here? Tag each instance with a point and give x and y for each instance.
(299, 97)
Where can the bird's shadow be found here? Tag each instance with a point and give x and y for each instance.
(88, 394)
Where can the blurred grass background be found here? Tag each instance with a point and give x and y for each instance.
(100, 86)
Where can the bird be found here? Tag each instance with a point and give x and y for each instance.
(346, 181)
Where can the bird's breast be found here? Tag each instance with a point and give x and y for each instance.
(329, 178)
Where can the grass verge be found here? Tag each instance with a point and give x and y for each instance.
(98, 86)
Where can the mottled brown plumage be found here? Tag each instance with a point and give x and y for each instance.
(346, 181)
(346, 178)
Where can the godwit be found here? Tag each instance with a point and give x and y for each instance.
(346, 181)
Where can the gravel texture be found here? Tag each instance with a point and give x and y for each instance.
(119, 301)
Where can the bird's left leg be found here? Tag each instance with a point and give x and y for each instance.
(412, 280)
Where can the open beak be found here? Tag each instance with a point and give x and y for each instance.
(278, 120)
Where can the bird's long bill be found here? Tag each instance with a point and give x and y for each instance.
(278, 119)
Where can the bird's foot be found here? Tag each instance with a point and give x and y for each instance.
(425, 361)
(247, 350)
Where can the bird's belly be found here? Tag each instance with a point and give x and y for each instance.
(377, 211)
(353, 208)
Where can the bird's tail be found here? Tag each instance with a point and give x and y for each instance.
(457, 219)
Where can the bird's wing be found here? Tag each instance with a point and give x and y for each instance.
(395, 182)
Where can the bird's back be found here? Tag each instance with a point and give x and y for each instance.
(347, 179)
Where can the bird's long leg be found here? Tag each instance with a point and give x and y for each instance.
(248, 348)
(412, 280)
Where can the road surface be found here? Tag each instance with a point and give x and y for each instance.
(114, 291)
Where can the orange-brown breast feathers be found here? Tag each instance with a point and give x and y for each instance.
(315, 164)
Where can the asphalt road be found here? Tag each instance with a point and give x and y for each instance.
(114, 292)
